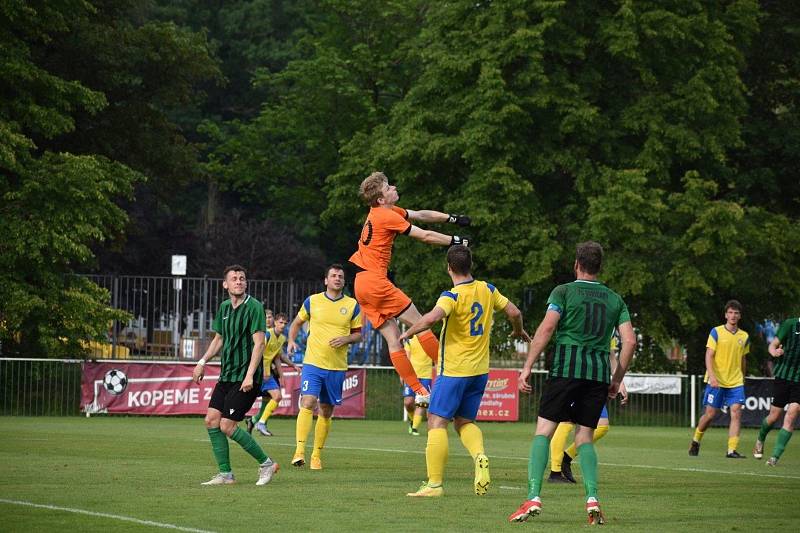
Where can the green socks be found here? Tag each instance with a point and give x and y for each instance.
(588, 459)
(219, 444)
(540, 456)
(780, 444)
(765, 428)
(249, 444)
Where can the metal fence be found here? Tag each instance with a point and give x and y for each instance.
(51, 387)
(172, 316)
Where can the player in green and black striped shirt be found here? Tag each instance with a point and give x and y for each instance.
(786, 389)
(583, 315)
(239, 326)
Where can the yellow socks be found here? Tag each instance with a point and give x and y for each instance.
(417, 420)
(557, 444)
(733, 443)
(304, 419)
(698, 435)
(436, 455)
(271, 406)
(321, 434)
(599, 433)
(472, 439)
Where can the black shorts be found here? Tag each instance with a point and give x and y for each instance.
(785, 392)
(230, 401)
(573, 400)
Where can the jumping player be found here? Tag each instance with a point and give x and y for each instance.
(380, 300)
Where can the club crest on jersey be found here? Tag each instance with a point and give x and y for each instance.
(343, 310)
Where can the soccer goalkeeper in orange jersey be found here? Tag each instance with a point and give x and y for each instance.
(380, 300)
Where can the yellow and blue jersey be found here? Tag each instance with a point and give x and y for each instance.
(328, 318)
(273, 346)
(729, 350)
(423, 366)
(469, 314)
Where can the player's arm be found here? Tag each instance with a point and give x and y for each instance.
(775, 348)
(211, 352)
(712, 378)
(744, 364)
(428, 216)
(627, 345)
(255, 358)
(515, 317)
(354, 337)
(276, 363)
(623, 390)
(425, 322)
(294, 329)
(269, 366)
(285, 359)
(540, 339)
(436, 238)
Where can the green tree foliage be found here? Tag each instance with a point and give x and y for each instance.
(55, 204)
(351, 66)
(556, 122)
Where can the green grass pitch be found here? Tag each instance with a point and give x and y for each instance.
(118, 473)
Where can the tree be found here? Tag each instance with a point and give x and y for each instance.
(55, 204)
(556, 122)
(348, 69)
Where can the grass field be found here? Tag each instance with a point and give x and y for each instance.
(150, 469)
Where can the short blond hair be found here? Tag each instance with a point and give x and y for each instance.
(371, 188)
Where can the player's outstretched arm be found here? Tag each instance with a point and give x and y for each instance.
(515, 317)
(436, 238)
(540, 339)
(425, 322)
(428, 216)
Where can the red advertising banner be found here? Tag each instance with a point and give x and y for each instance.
(167, 389)
(501, 398)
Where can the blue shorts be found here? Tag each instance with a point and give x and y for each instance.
(457, 396)
(325, 385)
(604, 413)
(718, 397)
(409, 392)
(269, 384)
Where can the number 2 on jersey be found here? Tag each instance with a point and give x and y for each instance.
(476, 329)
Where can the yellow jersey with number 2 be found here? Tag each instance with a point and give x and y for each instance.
(469, 315)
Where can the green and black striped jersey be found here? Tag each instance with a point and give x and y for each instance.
(237, 327)
(589, 313)
(787, 366)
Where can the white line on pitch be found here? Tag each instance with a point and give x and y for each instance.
(618, 465)
(104, 515)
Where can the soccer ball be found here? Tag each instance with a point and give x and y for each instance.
(115, 381)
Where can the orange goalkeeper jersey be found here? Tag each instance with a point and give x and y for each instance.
(377, 237)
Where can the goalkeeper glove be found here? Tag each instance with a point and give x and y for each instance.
(461, 220)
(463, 241)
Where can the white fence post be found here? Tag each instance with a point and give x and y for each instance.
(693, 406)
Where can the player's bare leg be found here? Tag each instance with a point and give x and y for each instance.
(400, 361)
